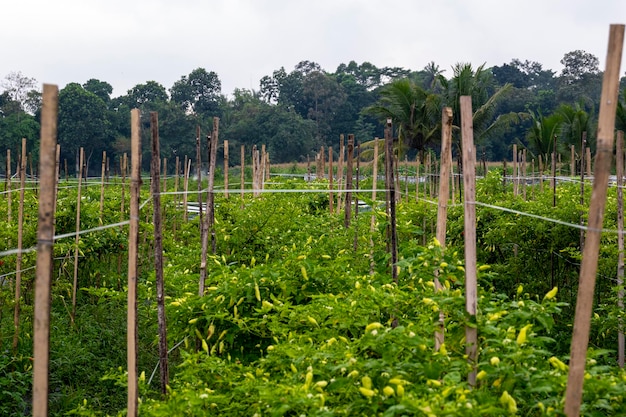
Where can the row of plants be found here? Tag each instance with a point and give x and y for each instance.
(301, 316)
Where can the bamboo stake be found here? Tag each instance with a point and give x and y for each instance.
(619, 170)
(226, 168)
(242, 174)
(262, 168)
(588, 154)
(391, 202)
(199, 174)
(20, 233)
(186, 185)
(77, 237)
(442, 206)
(331, 197)
(469, 185)
(8, 186)
(356, 200)
(104, 160)
(349, 174)
(553, 183)
(214, 138)
(524, 174)
(45, 242)
(373, 218)
(417, 178)
(582, 190)
(123, 163)
(158, 250)
(267, 166)
(572, 161)
(340, 183)
(589, 265)
(515, 176)
(133, 241)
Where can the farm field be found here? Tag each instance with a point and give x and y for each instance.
(301, 315)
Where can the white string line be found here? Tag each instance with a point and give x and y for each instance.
(26, 269)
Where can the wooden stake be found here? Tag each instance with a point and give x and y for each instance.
(242, 174)
(8, 186)
(211, 196)
(391, 201)
(572, 161)
(331, 197)
(226, 168)
(589, 266)
(199, 174)
(374, 205)
(583, 146)
(20, 233)
(469, 185)
(104, 160)
(340, 183)
(187, 168)
(588, 165)
(619, 170)
(442, 206)
(45, 243)
(515, 176)
(133, 242)
(349, 174)
(158, 250)
(77, 237)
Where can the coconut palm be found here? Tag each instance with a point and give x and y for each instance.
(575, 121)
(414, 112)
(542, 131)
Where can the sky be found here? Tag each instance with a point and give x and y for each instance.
(126, 43)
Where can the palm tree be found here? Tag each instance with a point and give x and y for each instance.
(481, 87)
(541, 134)
(575, 121)
(414, 111)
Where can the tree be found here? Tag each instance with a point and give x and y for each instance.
(542, 132)
(145, 96)
(574, 121)
(82, 122)
(198, 93)
(101, 89)
(414, 111)
(18, 86)
(577, 64)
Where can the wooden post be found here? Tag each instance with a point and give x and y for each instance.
(242, 175)
(619, 170)
(469, 185)
(158, 250)
(348, 202)
(589, 265)
(123, 164)
(8, 186)
(572, 161)
(393, 237)
(133, 242)
(45, 243)
(199, 174)
(442, 206)
(104, 166)
(583, 146)
(417, 178)
(515, 176)
(214, 141)
(374, 205)
(176, 176)
(524, 173)
(541, 173)
(226, 168)
(261, 171)
(20, 233)
(331, 197)
(340, 183)
(553, 184)
(406, 177)
(187, 169)
(588, 164)
(356, 200)
(77, 237)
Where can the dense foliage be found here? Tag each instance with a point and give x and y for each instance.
(296, 112)
(301, 316)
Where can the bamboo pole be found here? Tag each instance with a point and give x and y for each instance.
(349, 174)
(104, 160)
(261, 171)
(45, 243)
(158, 250)
(515, 176)
(226, 168)
(589, 265)
(199, 174)
(583, 146)
(20, 233)
(340, 183)
(524, 174)
(469, 185)
(393, 237)
(553, 183)
(374, 205)
(242, 174)
(123, 163)
(186, 186)
(77, 237)
(133, 242)
(619, 170)
(588, 165)
(356, 200)
(331, 197)
(214, 141)
(417, 178)
(572, 161)
(442, 205)
(8, 186)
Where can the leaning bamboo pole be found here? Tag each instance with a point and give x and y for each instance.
(158, 251)
(133, 242)
(469, 185)
(442, 204)
(589, 265)
(77, 237)
(45, 242)
(20, 233)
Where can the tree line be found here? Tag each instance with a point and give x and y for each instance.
(296, 112)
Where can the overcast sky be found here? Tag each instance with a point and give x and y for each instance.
(129, 42)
